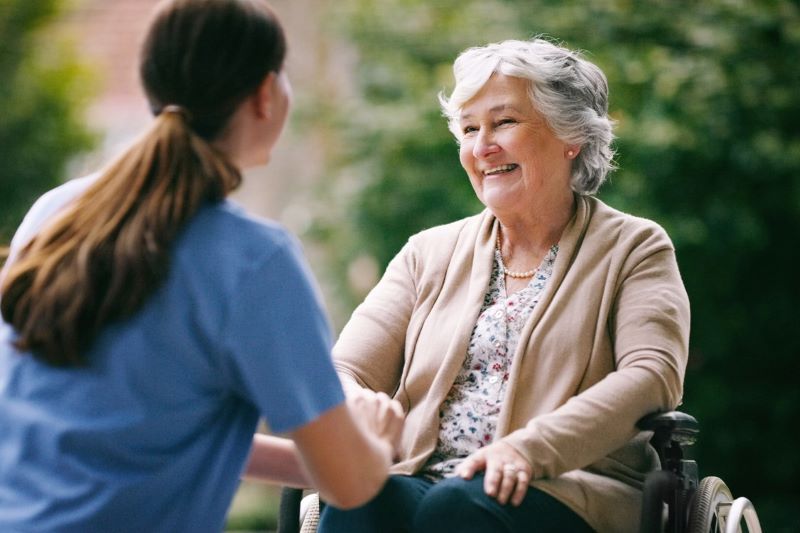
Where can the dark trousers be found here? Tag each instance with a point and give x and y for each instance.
(414, 504)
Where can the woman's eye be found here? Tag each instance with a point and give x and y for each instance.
(506, 121)
(469, 129)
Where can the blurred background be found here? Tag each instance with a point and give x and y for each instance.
(707, 99)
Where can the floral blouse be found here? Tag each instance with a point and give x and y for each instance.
(468, 416)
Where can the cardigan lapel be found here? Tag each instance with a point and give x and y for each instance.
(568, 247)
(474, 265)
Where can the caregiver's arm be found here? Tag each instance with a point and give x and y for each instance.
(275, 460)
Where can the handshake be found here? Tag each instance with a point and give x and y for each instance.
(345, 453)
(378, 416)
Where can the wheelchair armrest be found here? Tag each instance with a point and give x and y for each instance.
(671, 426)
(672, 431)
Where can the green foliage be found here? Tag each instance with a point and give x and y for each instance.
(399, 171)
(707, 100)
(42, 98)
(254, 508)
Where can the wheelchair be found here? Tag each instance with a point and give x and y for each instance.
(674, 500)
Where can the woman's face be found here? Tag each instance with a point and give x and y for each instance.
(281, 102)
(512, 158)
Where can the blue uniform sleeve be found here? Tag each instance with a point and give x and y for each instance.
(278, 341)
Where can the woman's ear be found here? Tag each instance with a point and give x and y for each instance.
(262, 99)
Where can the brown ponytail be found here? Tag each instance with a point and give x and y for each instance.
(99, 260)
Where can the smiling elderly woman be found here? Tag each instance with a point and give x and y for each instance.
(526, 341)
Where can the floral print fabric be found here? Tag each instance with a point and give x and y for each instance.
(468, 416)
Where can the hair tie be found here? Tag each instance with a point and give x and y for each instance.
(178, 110)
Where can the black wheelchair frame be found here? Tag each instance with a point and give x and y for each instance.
(675, 499)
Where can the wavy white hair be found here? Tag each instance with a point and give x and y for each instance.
(570, 92)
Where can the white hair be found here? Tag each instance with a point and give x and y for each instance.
(570, 92)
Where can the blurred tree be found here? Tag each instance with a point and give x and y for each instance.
(708, 103)
(42, 97)
(399, 170)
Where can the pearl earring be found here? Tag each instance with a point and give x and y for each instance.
(570, 153)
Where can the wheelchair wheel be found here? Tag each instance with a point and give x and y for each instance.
(709, 501)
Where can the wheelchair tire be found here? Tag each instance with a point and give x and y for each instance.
(711, 492)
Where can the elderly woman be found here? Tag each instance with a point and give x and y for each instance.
(526, 341)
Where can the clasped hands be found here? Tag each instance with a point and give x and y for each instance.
(379, 415)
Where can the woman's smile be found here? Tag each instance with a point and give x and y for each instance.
(500, 170)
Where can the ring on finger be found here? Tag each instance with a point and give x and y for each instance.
(511, 469)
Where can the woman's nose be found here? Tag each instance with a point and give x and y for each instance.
(485, 144)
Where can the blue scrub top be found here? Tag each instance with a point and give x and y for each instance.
(153, 435)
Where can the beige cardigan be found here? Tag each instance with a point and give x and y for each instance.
(606, 344)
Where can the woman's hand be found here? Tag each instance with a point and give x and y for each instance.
(508, 473)
(378, 414)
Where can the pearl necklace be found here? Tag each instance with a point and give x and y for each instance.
(512, 273)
